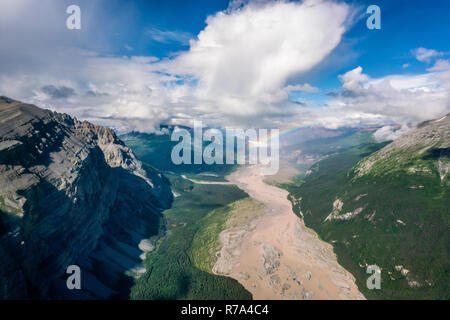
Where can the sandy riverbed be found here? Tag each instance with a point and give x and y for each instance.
(276, 256)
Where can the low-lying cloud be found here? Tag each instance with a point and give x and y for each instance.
(58, 92)
(396, 99)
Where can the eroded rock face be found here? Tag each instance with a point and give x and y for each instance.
(70, 193)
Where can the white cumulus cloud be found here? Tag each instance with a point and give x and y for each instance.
(403, 100)
(244, 57)
(440, 65)
(238, 70)
(425, 55)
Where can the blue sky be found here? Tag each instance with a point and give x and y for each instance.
(176, 16)
(137, 64)
(406, 25)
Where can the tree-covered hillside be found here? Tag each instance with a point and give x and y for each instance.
(390, 209)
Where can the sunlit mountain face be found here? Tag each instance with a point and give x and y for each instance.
(224, 150)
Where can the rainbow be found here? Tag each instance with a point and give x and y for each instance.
(289, 130)
(282, 133)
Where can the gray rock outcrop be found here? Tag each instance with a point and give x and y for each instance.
(70, 193)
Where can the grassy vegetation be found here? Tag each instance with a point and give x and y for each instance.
(296, 181)
(6, 208)
(211, 177)
(170, 272)
(8, 216)
(405, 222)
(206, 242)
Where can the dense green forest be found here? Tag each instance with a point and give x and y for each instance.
(404, 222)
(170, 272)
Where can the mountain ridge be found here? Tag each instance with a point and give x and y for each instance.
(71, 193)
(429, 141)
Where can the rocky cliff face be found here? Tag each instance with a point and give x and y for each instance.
(70, 193)
(424, 150)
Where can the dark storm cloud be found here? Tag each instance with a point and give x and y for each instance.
(333, 94)
(352, 94)
(61, 92)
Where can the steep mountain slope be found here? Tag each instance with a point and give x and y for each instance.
(426, 150)
(70, 193)
(390, 209)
